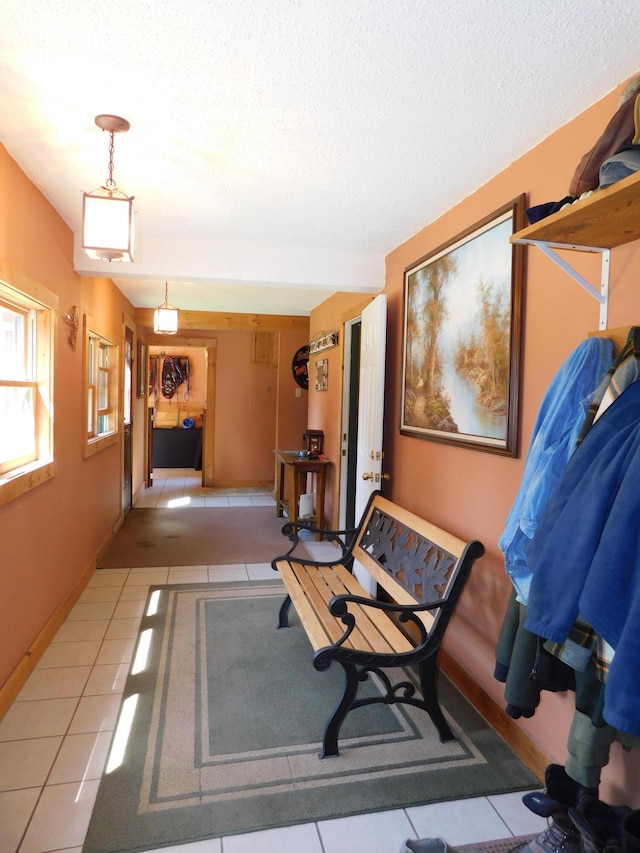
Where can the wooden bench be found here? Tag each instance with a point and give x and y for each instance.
(420, 571)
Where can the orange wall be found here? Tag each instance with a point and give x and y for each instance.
(51, 534)
(471, 492)
(246, 408)
(256, 408)
(291, 419)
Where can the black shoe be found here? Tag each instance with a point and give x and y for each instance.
(542, 804)
(561, 792)
(561, 836)
(561, 787)
(599, 825)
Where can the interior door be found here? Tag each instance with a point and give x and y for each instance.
(149, 466)
(373, 338)
(127, 463)
(349, 440)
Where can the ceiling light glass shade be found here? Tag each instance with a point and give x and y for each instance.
(165, 319)
(107, 225)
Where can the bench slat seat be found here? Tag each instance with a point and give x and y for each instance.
(312, 588)
(420, 571)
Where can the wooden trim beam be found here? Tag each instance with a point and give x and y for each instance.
(208, 321)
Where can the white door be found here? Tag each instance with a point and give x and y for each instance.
(370, 412)
(350, 397)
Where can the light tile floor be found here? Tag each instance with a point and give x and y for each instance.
(55, 736)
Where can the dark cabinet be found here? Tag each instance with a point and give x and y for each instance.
(177, 448)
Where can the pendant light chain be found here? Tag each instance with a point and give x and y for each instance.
(110, 182)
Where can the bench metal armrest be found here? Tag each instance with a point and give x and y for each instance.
(291, 530)
(338, 606)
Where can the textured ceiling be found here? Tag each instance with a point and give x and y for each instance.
(279, 149)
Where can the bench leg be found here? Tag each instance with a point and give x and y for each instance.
(283, 618)
(428, 672)
(332, 729)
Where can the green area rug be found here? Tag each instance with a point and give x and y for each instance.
(229, 714)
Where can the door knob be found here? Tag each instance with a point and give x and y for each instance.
(367, 476)
(385, 476)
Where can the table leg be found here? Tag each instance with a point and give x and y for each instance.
(320, 485)
(292, 511)
(279, 488)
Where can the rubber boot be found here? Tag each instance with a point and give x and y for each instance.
(631, 832)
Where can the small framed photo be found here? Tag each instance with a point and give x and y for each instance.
(322, 374)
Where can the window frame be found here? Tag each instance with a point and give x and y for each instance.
(94, 366)
(28, 472)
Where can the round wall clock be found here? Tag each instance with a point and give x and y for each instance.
(299, 367)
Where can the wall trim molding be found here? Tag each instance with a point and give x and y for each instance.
(16, 681)
(508, 729)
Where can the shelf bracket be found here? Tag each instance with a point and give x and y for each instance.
(601, 295)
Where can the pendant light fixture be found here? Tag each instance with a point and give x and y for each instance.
(107, 213)
(165, 317)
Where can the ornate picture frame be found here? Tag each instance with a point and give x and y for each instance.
(462, 337)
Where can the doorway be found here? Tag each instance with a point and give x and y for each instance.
(177, 399)
(232, 401)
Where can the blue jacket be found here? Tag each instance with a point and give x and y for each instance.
(560, 417)
(585, 556)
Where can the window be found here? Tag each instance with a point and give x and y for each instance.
(26, 390)
(101, 386)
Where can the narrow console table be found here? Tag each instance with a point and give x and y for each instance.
(291, 482)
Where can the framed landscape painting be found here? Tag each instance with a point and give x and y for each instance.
(463, 337)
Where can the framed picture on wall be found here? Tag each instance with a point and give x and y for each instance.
(462, 337)
(322, 374)
(142, 369)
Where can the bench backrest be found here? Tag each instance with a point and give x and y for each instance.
(412, 559)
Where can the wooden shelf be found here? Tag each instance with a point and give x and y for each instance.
(600, 222)
(608, 218)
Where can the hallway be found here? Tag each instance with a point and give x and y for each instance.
(55, 737)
